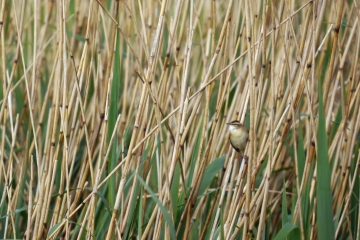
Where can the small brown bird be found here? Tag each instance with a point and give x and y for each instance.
(238, 135)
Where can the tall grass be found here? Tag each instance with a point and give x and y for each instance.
(113, 119)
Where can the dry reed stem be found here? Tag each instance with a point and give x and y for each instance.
(74, 154)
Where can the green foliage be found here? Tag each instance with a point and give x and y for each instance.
(162, 208)
(60, 147)
(323, 190)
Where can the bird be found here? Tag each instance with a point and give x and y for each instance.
(238, 135)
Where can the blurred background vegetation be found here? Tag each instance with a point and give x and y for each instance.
(113, 119)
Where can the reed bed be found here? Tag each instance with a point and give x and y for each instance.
(113, 119)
